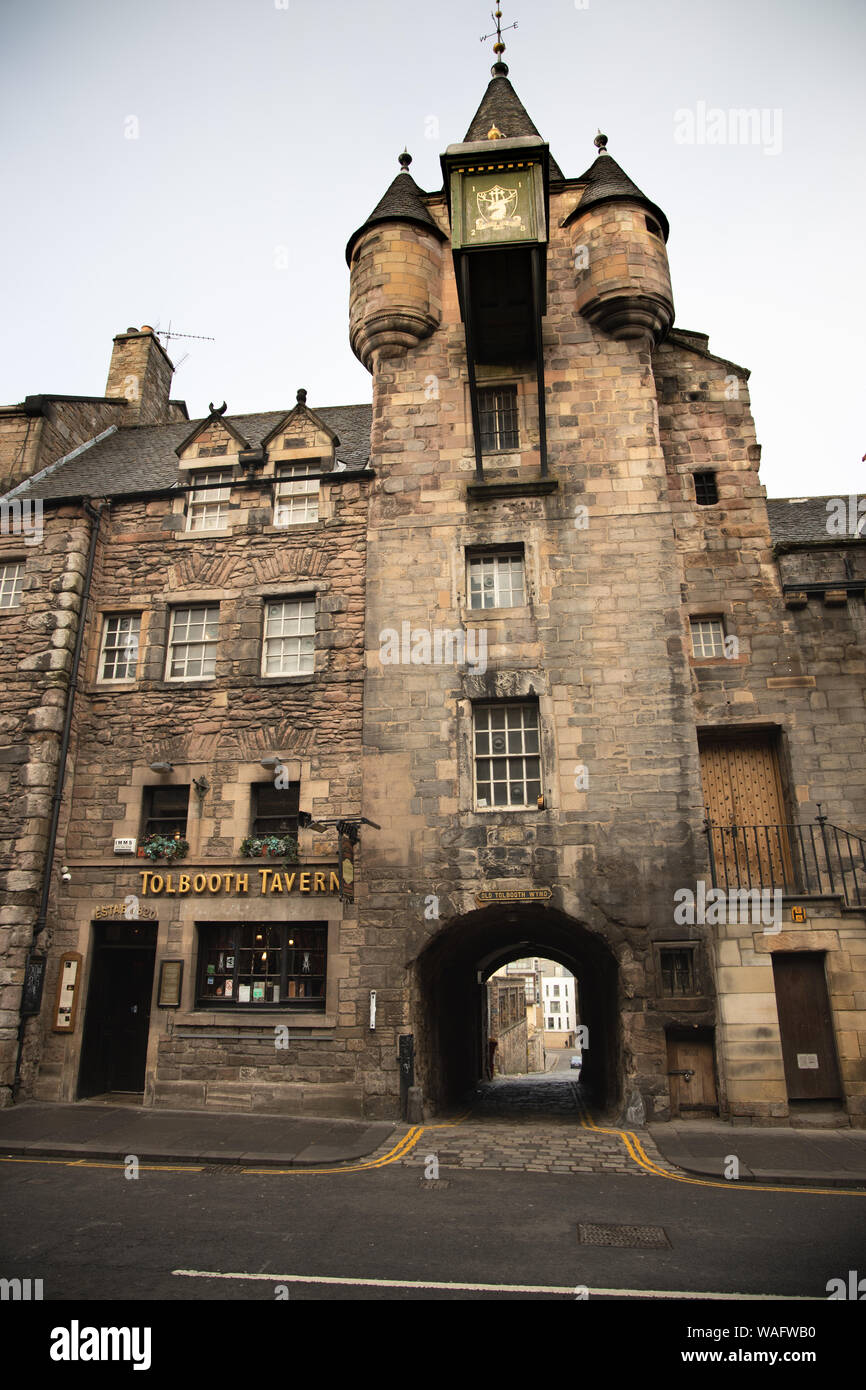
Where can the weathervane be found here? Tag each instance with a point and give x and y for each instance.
(499, 46)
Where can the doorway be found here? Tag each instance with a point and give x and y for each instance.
(745, 801)
(806, 1026)
(692, 1072)
(117, 1019)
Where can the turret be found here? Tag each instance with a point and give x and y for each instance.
(395, 260)
(621, 265)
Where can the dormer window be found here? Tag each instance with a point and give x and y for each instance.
(296, 493)
(207, 509)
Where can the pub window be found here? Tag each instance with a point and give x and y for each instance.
(495, 580)
(677, 970)
(289, 647)
(262, 963)
(209, 501)
(507, 762)
(708, 637)
(497, 407)
(11, 585)
(192, 644)
(165, 810)
(296, 493)
(118, 657)
(706, 490)
(275, 809)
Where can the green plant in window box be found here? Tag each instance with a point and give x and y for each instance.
(270, 846)
(165, 847)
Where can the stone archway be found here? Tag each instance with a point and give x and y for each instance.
(448, 986)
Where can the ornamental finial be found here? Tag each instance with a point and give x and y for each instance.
(499, 68)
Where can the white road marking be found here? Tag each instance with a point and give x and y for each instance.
(453, 1286)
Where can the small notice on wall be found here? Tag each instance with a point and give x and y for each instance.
(807, 1061)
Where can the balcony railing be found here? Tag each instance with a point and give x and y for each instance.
(801, 860)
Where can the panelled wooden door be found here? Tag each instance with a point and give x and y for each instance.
(691, 1073)
(806, 1026)
(743, 787)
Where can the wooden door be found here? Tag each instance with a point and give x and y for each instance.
(691, 1072)
(806, 1026)
(743, 789)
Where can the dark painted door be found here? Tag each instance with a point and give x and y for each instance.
(806, 1026)
(114, 1050)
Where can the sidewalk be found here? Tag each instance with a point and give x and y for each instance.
(827, 1158)
(184, 1136)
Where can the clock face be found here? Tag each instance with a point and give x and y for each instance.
(497, 207)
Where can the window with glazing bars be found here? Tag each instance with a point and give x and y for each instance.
(119, 656)
(262, 964)
(507, 761)
(275, 809)
(496, 580)
(678, 970)
(497, 407)
(706, 490)
(290, 641)
(296, 493)
(11, 585)
(708, 637)
(192, 646)
(208, 502)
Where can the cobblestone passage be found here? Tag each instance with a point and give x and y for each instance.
(530, 1123)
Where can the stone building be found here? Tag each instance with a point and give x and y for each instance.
(531, 618)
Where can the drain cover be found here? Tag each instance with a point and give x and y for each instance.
(626, 1237)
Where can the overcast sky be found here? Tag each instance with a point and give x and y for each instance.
(204, 162)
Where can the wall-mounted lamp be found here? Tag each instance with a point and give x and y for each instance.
(202, 787)
(271, 761)
(161, 766)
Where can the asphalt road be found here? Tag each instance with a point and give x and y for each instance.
(92, 1234)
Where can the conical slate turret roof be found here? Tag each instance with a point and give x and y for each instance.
(502, 107)
(403, 201)
(607, 181)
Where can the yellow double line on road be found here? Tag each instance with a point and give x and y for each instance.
(636, 1152)
(410, 1139)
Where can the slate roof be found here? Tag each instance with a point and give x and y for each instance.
(799, 520)
(142, 458)
(502, 107)
(402, 202)
(607, 181)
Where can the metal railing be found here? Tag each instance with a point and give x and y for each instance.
(799, 859)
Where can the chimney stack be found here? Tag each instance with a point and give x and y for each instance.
(141, 371)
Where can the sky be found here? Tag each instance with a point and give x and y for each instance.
(202, 165)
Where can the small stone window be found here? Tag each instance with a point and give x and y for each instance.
(497, 408)
(11, 585)
(118, 656)
(275, 809)
(653, 226)
(677, 966)
(706, 489)
(165, 811)
(496, 579)
(708, 637)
